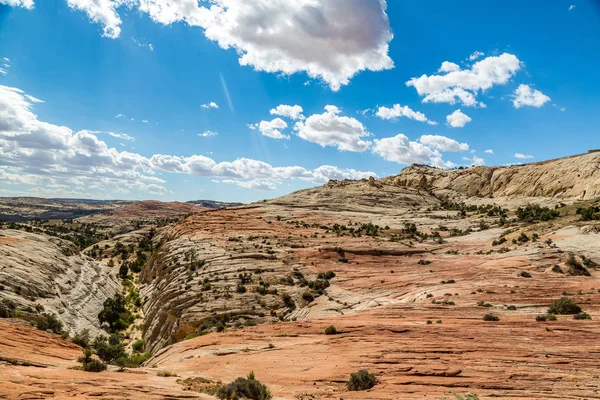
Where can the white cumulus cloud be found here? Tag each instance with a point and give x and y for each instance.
(525, 95)
(103, 12)
(271, 129)
(475, 55)
(18, 3)
(448, 66)
(398, 111)
(458, 119)
(330, 40)
(332, 129)
(291, 112)
(212, 104)
(465, 85)
(489, 151)
(443, 143)
(401, 150)
(52, 160)
(477, 161)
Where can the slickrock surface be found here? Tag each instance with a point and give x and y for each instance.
(37, 365)
(40, 269)
(253, 288)
(570, 177)
(381, 301)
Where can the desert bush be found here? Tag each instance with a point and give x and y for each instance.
(139, 345)
(361, 380)
(564, 306)
(108, 352)
(49, 322)
(7, 308)
(331, 330)
(288, 301)
(582, 315)
(525, 274)
(491, 317)
(498, 242)
(308, 297)
(82, 338)
(534, 212)
(90, 364)
(589, 213)
(166, 374)
(241, 289)
(245, 388)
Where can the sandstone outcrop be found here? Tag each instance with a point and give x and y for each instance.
(39, 269)
(576, 177)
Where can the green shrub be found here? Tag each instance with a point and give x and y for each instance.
(582, 316)
(139, 345)
(115, 313)
(491, 317)
(90, 364)
(244, 388)
(288, 301)
(241, 289)
(564, 306)
(534, 212)
(106, 351)
(7, 308)
(82, 338)
(589, 213)
(361, 380)
(330, 330)
(308, 297)
(49, 322)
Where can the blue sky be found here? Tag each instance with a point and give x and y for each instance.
(103, 99)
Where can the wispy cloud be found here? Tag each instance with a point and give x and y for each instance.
(208, 134)
(148, 46)
(122, 136)
(523, 156)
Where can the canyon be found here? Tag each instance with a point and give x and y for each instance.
(436, 281)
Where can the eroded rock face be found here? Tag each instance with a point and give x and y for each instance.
(40, 269)
(210, 267)
(571, 177)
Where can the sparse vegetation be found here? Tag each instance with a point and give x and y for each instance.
(582, 315)
(49, 322)
(361, 380)
(244, 388)
(564, 306)
(90, 364)
(534, 212)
